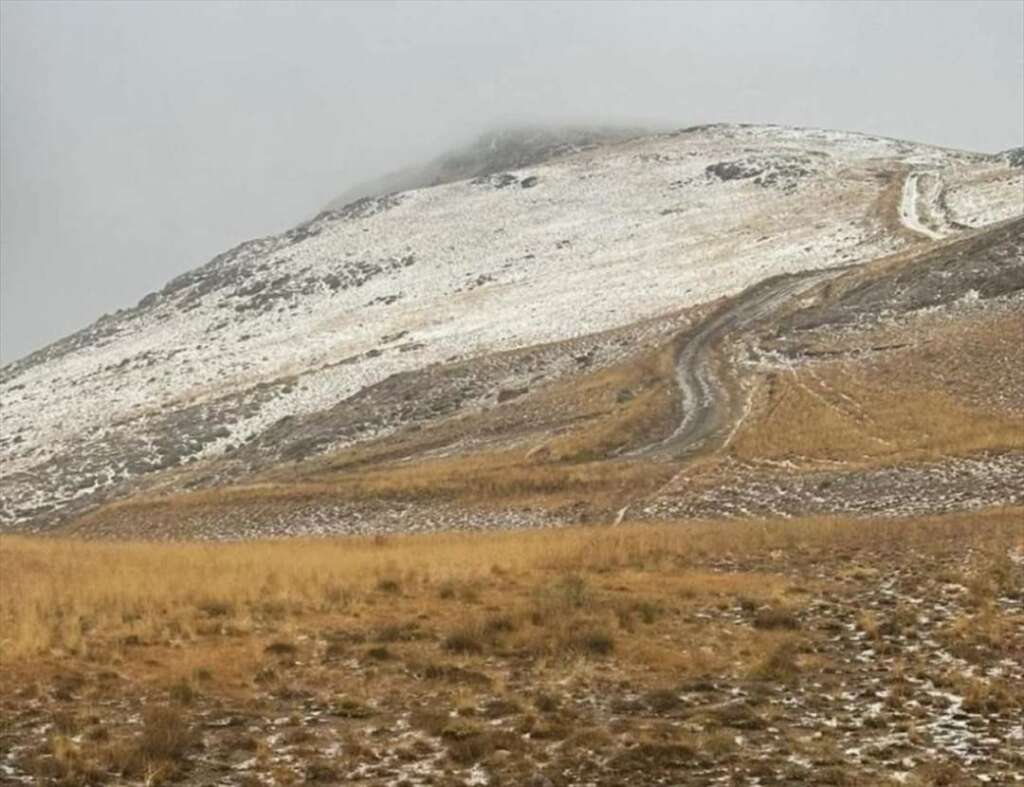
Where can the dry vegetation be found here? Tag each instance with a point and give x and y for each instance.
(829, 414)
(942, 388)
(814, 651)
(687, 652)
(571, 428)
(468, 479)
(939, 389)
(799, 651)
(573, 421)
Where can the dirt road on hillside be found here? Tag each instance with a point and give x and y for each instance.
(709, 405)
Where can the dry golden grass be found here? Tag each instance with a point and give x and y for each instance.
(944, 387)
(977, 360)
(78, 597)
(454, 634)
(625, 405)
(837, 414)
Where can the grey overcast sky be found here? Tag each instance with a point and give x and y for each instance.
(140, 139)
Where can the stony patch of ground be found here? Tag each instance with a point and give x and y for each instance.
(780, 489)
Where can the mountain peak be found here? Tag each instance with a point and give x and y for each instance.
(498, 149)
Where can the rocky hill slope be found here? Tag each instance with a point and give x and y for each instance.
(723, 319)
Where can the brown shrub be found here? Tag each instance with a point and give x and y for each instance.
(390, 585)
(779, 664)
(166, 735)
(467, 639)
(653, 757)
(592, 641)
(281, 648)
(776, 618)
(182, 693)
(159, 752)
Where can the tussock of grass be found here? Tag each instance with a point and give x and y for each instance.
(466, 639)
(779, 664)
(776, 618)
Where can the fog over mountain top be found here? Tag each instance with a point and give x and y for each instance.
(140, 140)
(510, 147)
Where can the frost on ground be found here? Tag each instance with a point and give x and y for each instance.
(291, 326)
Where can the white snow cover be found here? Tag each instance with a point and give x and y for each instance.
(592, 241)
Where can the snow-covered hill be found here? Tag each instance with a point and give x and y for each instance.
(594, 239)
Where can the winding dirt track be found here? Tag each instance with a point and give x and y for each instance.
(709, 405)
